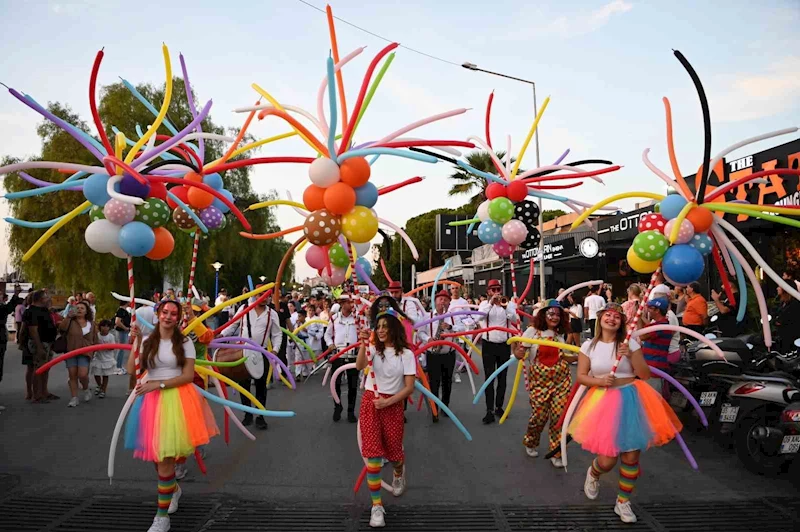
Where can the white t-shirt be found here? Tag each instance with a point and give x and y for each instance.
(594, 303)
(578, 311)
(390, 370)
(86, 329)
(602, 359)
(166, 364)
(674, 344)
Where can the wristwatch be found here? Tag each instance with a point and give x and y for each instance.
(162, 385)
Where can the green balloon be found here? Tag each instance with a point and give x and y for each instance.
(650, 245)
(501, 210)
(338, 256)
(153, 212)
(96, 213)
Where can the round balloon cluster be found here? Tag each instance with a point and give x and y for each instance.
(339, 200)
(681, 261)
(508, 220)
(204, 206)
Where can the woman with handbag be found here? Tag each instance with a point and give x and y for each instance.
(77, 331)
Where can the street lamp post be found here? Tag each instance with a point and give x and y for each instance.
(472, 66)
(217, 266)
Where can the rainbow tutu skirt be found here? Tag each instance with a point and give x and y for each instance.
(169, 424)
(610, 421)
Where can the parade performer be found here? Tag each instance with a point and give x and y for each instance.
(341, 333)
(262, 325)
(494, 347)
(411, 306)
(440, 360)
(169, 418)
(390, 381)
(620, 415)
(549, 377)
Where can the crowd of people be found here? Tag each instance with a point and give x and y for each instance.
(383, 328)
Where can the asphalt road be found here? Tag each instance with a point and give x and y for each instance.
(55, 449)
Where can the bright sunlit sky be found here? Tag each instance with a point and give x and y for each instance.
(605, 63)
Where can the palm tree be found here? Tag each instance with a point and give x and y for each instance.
(467, 183)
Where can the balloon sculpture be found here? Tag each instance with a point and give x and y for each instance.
(687, 227)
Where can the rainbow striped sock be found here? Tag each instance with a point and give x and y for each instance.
(166, 487)
(628, 473)
(597, 469)
(374, 480)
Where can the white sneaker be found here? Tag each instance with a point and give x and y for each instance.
(73, 402)
(87, 396)
(399, 484)
(160, 524)
(456, 378)
(591, 486)
(173, 504)
(533, 453)
(557, 462)
(180, 471)
(624, 511)
(376, 519)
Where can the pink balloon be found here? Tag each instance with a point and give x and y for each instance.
(503, 249)
(514, 232)
(335, 278)
(118, 212)
(685, 233)
(315, 257)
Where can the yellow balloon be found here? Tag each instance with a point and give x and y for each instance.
(639, 265)
(360, 225)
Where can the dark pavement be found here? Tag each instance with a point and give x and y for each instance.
(304, 464)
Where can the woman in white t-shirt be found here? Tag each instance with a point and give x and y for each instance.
(169, 418)
(621, 415)
(392, 372)
(548, 377)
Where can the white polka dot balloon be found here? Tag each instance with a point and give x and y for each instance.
(702, 243)
(650, 246)
(685, 233)
(119, 212)
(514, 232)
(652, 222)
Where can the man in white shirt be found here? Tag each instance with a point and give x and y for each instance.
(440, 361)
(494, 347)
(457, 302)
(92, 299)
(411, 306)
(261, 325)
(341, 333)
(591, 306)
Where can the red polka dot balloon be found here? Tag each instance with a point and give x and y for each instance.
(322, 228)
(652, 222)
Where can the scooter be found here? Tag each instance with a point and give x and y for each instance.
(757, 413)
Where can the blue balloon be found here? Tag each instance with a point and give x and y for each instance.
(367, 195)
(490, 232)
(214, 181)
(683, 264)
(671, 206)
(221, 206)
(702, 243)
(94, 188)
(366, 265)
(131, 187)
(136, 239)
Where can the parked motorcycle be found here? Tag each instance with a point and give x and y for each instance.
(762, 411)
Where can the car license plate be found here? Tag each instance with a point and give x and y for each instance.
(790, 444)
(678, 399)
(708, 398)
(729, 413)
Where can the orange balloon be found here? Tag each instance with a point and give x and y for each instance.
(340, 198)
(198, 198)
(313, 198)
(355, 171)
(701, 219)
(193, 176)
(164, 245)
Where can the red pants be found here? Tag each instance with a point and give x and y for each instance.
(381, 430)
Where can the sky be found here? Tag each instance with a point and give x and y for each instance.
(606, 64)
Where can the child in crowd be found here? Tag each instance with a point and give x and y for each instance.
(104, 363)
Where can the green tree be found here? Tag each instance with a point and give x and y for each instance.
(469, 183)
(66, 263)
(548, 215)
